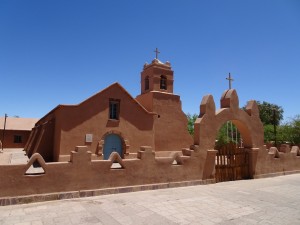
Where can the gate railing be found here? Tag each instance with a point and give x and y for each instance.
(232, 163)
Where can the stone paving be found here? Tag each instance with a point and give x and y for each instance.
(16, 156)
(261, 201)
(13, 156)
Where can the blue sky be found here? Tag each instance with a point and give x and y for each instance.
(62, 52)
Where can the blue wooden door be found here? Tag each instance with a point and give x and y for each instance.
(112, 143)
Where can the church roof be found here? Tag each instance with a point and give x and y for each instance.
(157, 62)
(123, 89)
(16, 123)
(105, 89)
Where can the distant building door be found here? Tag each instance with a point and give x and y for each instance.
(112, 143)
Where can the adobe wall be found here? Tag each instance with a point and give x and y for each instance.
(9, 138)
(148, 167)
(135, 125)
(263, 162)
(271, 162)
(82, 173)
(146, 100)
(42, 137)
(170, 121)
(210, 121)
(170, 124)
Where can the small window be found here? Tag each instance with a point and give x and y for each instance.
(163, 82)
(114, 109)
(17, 139)
(147, 83)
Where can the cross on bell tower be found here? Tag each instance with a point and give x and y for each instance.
(157, 76)
(230, 79)
(156, 53)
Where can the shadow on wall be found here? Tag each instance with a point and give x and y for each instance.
(97, 104)
(82, 173)
(193, 165)
(273, 162)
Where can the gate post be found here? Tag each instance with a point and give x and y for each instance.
(253, 153)
(209, 166)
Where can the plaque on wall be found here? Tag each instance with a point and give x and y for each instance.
(89, 138)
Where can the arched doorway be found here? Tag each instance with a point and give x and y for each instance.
(245, 119)
(232, 159)
(112, 143)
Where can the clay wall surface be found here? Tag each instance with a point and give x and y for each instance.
(154, 71)
(210, 121)
(156, 80)
(42, 137)
(247, 121)
(135, 124)
(272, 161)
(170, 121)
(9, 138)
(146, 100)
(147, 165)
(66, 126)
(170, 126)
(82, 173)
(12, 126)
(262, 162)
(57, 137)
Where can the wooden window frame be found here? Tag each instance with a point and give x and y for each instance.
(114, 109)
(18, 139)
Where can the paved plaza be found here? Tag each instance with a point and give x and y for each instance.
(261, 201)
(13, 156)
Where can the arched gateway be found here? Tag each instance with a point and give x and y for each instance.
(247, 121)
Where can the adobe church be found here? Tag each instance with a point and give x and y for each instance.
(113, 121)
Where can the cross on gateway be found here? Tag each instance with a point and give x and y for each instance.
(229, 80)
(156, 53)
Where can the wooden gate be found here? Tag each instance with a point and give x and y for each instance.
(232, 163)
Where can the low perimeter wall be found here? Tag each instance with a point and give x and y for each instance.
(83, 176)
(274, 162)
(82, 173)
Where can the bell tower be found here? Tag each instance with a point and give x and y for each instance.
(157, 96)
(157, 76)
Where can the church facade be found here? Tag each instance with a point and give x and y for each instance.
(113, 121)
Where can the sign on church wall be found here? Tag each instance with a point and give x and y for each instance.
(89, 138)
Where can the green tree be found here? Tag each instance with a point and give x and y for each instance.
(268, 133)
(285, 133)
(296, 129)
(270, 113)
(191, 120)
(290, 131)
(222, 138)
(228, 133)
